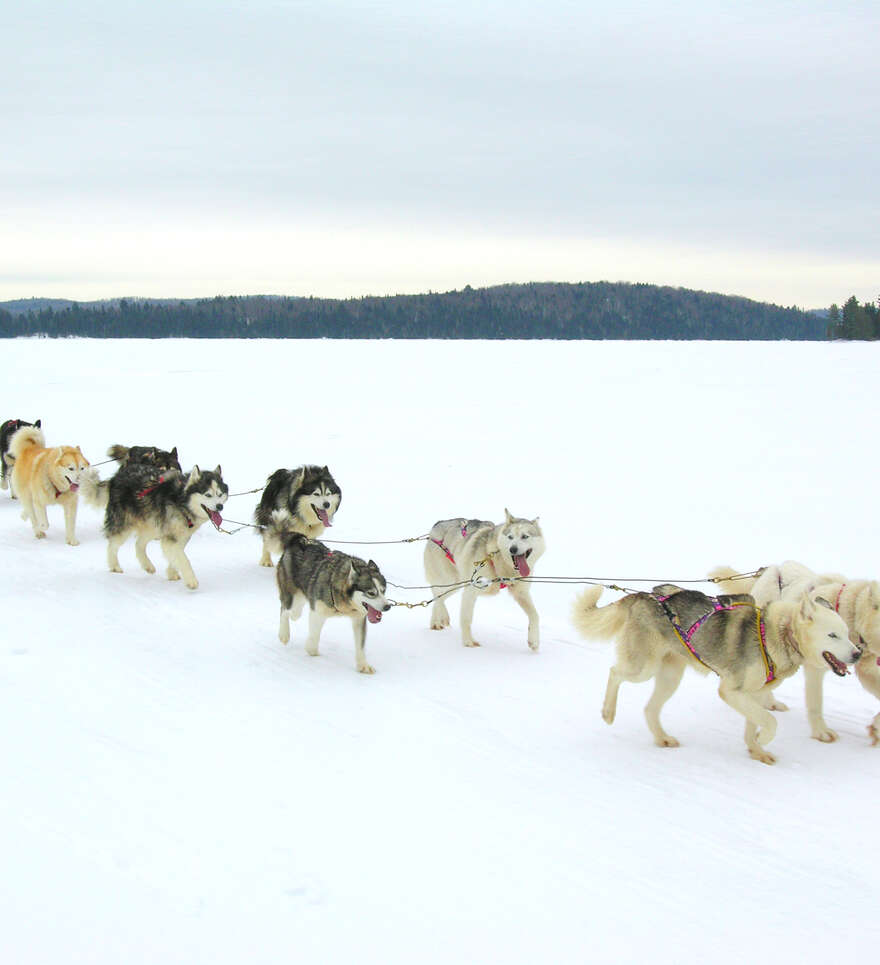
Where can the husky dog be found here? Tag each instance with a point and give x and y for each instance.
(7, 431)
(168, 507)
(308, 495)
(658, 634)
(334, 585)
(160, 459)
(42, 476)
(857, 601)
(492, 557)
(157, 461)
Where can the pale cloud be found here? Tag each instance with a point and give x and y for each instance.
(194, 148)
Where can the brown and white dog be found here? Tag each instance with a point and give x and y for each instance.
(43, 477)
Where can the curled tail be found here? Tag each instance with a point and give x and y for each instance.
(95, 491)
(729, 580)
(25, 438)
(119, 453)
(593, 622)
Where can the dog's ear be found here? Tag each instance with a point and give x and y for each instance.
(372, 565)
(218, 470)
(806, 608)
(537, 522)
(38, 423)
(296, 478)
(507, 517)
(195, 474)
(173, 453)
(352, 573)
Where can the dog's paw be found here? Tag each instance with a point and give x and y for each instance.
(366, 668)
(470, 643)
(666, 741)
(874, 734)
(192, 584)
(172, 574)
(533, 645)
(759, 754)
(149, 568)
(311, 651)
(40, 534)
(826, 735)
(116, 569)
(73, 542)
(777, 705)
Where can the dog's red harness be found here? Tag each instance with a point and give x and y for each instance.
(717, 607)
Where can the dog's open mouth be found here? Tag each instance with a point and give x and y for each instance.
(838, 666)
(519, 561)
(213, 515)
(322, 515)
(73, 486)
(373, 615)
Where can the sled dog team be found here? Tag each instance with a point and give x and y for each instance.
(758, 632)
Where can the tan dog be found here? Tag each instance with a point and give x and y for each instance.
(42, 477)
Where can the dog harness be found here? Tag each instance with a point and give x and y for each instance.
(445, 548)
(686, 636)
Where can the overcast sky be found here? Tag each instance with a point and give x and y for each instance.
(344, 147)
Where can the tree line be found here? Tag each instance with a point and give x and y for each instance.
(854, 321)
(588, 310)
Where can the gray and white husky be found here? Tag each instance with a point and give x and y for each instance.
(492, 557)
(334, 585)
(659, 634)
(308, 496)
(167, 506)
(857, 601)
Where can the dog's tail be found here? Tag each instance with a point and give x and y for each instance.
(602, 623)
(280, 526)
(729, 580)
(25, 438)
(95, 491)
(119, 453)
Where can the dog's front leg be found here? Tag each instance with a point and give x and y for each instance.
(868, 672)
(468, 601)
(359, 625)
(523, 597)
(760, 723)
(178, 564)
(69, 504)
(39, 518)
(316, 622)
(813, 680)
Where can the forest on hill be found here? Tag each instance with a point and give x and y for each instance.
(587, 310)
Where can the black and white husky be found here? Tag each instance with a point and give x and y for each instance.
(7, 431)
(168, 507)
(308, 496)
(334, 585)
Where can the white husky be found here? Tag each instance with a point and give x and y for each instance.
(857, 601)
(493, 557)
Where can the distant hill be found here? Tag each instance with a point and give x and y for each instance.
(588, 310)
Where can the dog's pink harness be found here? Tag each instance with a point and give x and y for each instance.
(717, 607)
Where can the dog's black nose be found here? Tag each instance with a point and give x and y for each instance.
(326, 505)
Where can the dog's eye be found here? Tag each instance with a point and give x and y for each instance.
(371, 593)
(833, 636)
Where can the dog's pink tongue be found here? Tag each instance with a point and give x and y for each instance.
(215, 518)
(373, 615)
(74, 487)
(322, 515)
(521, 566)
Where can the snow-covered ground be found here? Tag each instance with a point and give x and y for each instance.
(177, 786)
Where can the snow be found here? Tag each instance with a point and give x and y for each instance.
(178, 786)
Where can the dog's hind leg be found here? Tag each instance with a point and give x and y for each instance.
(113, 544)
(36, 513)
(140, 549)
(634, 666)
(437, 573)
(868, 672)
(666, 682)
(266, 558)
(813, 685)
(760, 723)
